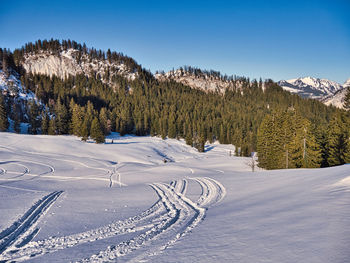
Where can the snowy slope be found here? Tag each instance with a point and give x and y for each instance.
(63, 200)
(309, 87)
(12, 85)
(337, 99)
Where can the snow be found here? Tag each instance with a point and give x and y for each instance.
(13, 86)
(63, 200)
(311, 87)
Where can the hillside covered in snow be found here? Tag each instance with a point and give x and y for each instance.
(153, 200)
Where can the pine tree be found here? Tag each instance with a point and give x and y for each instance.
(96, 132)
(45, 122)
(337, 142)
(16, 118)
(105, 122)
(84, 133)
(269, 146)
(52, 130)
(77, 120)
(189, 137)
(62, 121)
(4, 123)
(34, 122)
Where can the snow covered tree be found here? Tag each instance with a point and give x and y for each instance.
(96, 131)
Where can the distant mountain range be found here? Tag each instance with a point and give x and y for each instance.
(327, 91)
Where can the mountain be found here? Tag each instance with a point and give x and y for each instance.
(309, 87)
(73, 62)
(337, 99)
(198, 79)
(73, 87)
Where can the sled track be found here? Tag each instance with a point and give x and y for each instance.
(212, 191)
(172, 217)
(23, 229)
(183, 216)
(132, 224)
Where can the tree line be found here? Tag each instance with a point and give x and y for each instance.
(286, 130)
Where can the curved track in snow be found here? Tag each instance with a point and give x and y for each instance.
(154, 230)
(22, 230)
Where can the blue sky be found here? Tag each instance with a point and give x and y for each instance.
(268, 38)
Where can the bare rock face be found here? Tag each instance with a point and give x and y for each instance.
(199, 81)
(68, 63)
(48, 64)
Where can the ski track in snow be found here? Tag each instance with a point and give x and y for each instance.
(183, 215)
(24, 229)
(168, 220)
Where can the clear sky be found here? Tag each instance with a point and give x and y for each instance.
(265, 38)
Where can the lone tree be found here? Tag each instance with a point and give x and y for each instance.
(96, 131)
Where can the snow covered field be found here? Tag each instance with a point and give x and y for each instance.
(62, 200)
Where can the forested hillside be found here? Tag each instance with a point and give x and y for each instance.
(286, 130)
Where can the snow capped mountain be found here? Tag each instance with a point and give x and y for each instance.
(309, 87)
(336, 99)
(347, 83)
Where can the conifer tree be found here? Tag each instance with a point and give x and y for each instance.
(16, 118)
(189, 137)
(45, 122)
(34, 122)
(104, 121)
(4, 123)
(52, 130)
(85, 131)
(337, 142)
(96, 132)
(77, 120)
(62, 116)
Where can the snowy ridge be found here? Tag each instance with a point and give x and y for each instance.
(310, 87)
(336, 99)
(327, 91)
